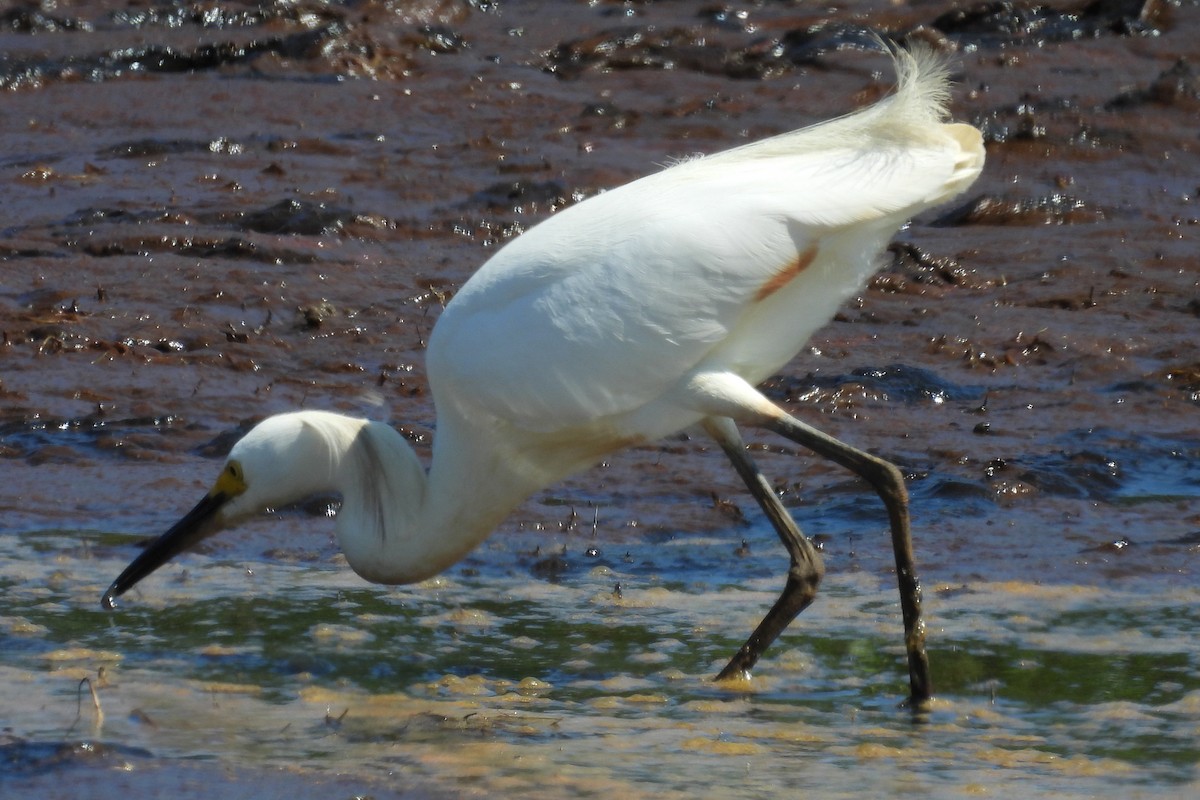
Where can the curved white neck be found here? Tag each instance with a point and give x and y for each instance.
(399, 525)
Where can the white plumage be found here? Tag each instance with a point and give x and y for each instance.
(636, 313)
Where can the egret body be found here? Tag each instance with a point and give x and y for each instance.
(622, 319)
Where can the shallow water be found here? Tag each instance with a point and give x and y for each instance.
(496, 682)
(218, 212)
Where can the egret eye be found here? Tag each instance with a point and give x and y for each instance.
(232, 480)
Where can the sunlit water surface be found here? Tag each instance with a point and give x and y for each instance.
(198, 233)
(598, 682)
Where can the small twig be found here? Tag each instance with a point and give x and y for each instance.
(79, 705)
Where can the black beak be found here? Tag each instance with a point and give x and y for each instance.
(198, 524)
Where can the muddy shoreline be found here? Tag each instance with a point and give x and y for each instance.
(218, 211)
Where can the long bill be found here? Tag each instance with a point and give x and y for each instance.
(198, 524)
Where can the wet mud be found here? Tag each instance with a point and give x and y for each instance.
(217, 211)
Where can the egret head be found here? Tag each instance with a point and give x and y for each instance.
(281, 460)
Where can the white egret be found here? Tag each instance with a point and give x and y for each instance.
(627, 317)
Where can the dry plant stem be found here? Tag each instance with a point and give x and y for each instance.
(95, 704)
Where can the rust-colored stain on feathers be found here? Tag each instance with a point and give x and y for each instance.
(785, 276)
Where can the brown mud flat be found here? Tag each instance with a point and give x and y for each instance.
(217, 211)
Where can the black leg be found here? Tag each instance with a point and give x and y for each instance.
(888, 482)
(805, 571)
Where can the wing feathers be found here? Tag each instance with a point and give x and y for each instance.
(606, 305)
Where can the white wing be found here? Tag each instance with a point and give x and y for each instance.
(605, 306)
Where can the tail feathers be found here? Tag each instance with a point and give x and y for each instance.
(914, 119)
(915, 113)
(970, 159)
(922, 83)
